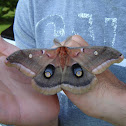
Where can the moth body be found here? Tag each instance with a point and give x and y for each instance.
(64, 68)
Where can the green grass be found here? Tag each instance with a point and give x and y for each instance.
(6, 20)
(4, 26)
(9, 14)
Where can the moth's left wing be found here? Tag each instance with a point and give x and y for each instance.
(96, 59)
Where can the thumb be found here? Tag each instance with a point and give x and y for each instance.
(6, 48)
(76, 41)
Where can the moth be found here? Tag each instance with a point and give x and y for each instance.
(71, 69)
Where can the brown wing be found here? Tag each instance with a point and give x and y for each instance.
(76, 78)
(42, 65)
(31, 59)
(96, 59)
(78, 74)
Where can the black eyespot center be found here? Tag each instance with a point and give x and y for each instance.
(77, 70)
(49, 71)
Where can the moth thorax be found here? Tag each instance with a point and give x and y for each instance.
(63, 56)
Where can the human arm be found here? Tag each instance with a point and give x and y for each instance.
(20, 104)
(25, 106)
(107, 100)
(81, 99)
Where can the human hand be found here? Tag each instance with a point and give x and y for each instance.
(107, 100)
(20, 104)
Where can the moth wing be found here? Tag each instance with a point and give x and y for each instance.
(76, 78)
(31, 60)
(41, 65)
(96, 59)
(48, 80)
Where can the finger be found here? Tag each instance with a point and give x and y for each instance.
(1, 54)
(75, 41)
(6, 48)
(79, 40)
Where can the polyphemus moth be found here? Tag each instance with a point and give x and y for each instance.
(71, 69)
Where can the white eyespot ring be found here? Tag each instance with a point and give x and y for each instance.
(95, 53)
(48, 74)
(30, 55)
(79, 73)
